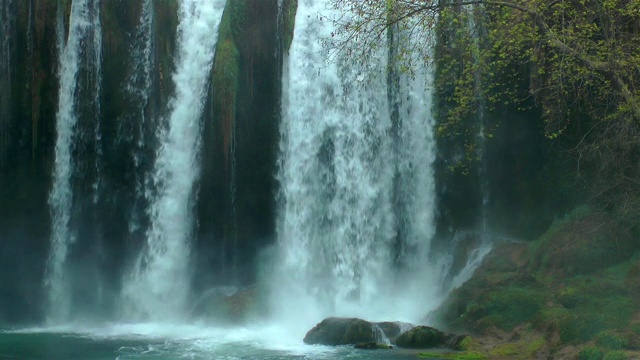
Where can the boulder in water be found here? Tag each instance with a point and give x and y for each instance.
(341, 331)
(421, 337)
(372, 346)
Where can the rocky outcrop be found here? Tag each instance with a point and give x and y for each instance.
(341, 331)
(425, 337)
(370, 335)
(372, 346)
(421, 337)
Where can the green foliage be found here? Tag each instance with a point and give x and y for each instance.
(578, 60)
(533, 347)
(469, 343)
(591, 353)
(510, 306)
(609, 340)
(577, 213)
(616, 355)
(508, 349)
(596, 314)
(596, 307)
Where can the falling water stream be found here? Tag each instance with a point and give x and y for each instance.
(84, 23)
(158, 287)
(357, 203)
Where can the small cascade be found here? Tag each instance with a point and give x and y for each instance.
(474, 260)
(83, 24)
(357, 189)
(379, 335)
(158, 287)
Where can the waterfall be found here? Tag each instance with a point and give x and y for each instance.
(340, 169)
(415, 146)
(139, 89)
(158, 286)
(83, 23)
(96, 62)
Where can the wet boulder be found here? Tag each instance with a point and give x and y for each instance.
(422, 337)
(372, 346)
(341, 331)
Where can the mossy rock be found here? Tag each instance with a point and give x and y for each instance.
(372, 346)
(584, 245)
(340, 331)
(610, 340)
(422, 337)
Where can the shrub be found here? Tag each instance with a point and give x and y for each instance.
(609, 340)
(591, 353)
(616, 355)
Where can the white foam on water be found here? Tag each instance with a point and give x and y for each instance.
(186, 338)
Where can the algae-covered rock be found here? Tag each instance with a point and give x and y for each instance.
(345, 331)
(584, 245)
(422, 337)
(341, 331)
(372, 346)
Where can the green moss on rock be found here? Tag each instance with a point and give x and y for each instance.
(289, 21)
(616, 355)
(421, 337)
(340, 331)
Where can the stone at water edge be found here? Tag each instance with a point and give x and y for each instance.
(372, 346)
(424, 337)
(348, 331)
(341, 331)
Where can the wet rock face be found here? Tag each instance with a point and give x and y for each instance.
(372, 346)
(341, 331)
(424, 337)
(421, 337)
(364, 334)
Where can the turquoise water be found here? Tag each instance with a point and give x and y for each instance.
(146, 342)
